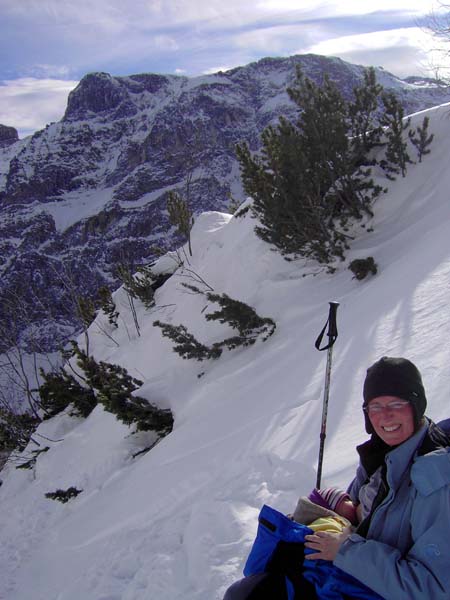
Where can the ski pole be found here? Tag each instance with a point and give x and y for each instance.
(332, 335)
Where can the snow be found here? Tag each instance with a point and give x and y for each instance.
(7, 154)
(71, 207)
(178, 521)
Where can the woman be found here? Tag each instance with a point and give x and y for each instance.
(401, 549)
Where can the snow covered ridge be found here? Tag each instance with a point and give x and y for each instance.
(177, 523)
(91, 189)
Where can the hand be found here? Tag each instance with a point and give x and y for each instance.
(326, 544)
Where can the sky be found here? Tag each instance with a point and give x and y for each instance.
(177, 523)
(46, 46)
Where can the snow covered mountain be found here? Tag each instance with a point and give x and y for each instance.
(90, 191)
(177, 522)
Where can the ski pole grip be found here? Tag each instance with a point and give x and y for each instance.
(332, 328)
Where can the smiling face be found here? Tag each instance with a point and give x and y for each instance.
(392, 425)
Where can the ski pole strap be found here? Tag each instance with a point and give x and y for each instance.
(332, 328)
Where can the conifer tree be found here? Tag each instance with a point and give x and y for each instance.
(393, 119)
(180, 215)
(114, 387)
(86, 312)
(143, 284)
(126, 276)
(242, 317)
(16, 429)
(420, 139)
(108, 305)
(238, 315)
(365, 129)
(308, 180)
(186, 345)
(60, 389)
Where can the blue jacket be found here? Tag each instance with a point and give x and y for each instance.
(445, 425)
(405, 554)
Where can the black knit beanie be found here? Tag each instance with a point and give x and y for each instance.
(395, 377)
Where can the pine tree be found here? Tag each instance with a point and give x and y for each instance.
(393, 119)
(420, 138)
(143, 284)
(126, 276)
(186, 345)
(114, 387)
(60, 389)
(16, 429)
(284, 196)
(238, 315)
(242, 317)
(180, 216)
(86, 312)
(365, 129)
(108, 305)
(308, 180)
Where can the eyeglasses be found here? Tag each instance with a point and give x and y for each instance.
(375, 408)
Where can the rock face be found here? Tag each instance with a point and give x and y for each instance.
(8, 136)
(89, 192)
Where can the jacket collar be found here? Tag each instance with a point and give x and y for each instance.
(374, 453)
(401, 457)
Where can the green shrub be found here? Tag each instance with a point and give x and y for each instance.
(361, 267)
(114, 387)
(61, 389)
(420, 139)
(180, 215)
(63, 495)
(108, 305)
(237, 314)
(242, 317)
(186, 345)
(16, 429)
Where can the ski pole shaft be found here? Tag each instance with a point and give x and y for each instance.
(332, 335)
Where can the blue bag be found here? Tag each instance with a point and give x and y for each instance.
(279, 548)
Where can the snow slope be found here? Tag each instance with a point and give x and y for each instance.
(177, 522)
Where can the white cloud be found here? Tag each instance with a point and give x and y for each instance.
(49, 71)
(213, 70)
(114, 35)
(29, 104)
(279, 39)
(406, 51)
(67, 14)
(345, 7)
(116, 15)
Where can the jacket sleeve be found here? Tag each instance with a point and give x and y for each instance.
(422, 572)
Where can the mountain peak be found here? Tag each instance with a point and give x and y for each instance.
(8, 136)
(96, 93)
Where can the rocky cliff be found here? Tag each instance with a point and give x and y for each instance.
(8, 136)
(89, 192)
